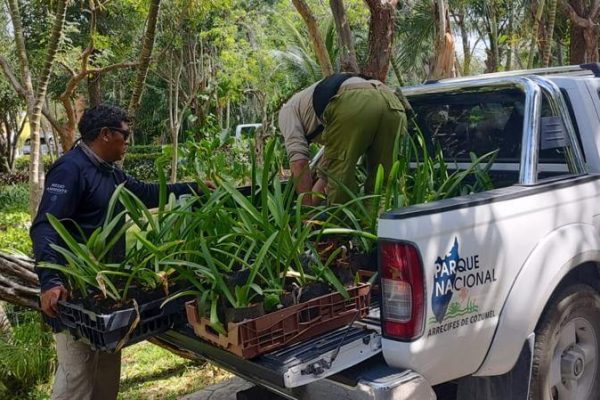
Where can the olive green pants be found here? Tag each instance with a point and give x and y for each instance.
(84, 374)
(359, 122)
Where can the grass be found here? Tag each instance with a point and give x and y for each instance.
(149, 372)
(152, 373)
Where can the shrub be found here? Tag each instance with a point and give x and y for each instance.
(13, 178)
(141, 166)
(22, 163)
(26, 356)
(15, 219)
(14, 198)
(144, 149)
(15, 239)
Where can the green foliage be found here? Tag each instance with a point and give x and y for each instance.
(209, 157)
(144, 149)
(22, 163)
(26, 357)
(15, 219)
(264, 233)
(149, 261)
(14, 232)
(141, 165)
(14, 198)
(15, 239)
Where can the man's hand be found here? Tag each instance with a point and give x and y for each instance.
(49, 299)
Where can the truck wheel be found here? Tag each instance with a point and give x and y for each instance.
(567, 343)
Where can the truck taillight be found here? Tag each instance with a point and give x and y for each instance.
(403, 290)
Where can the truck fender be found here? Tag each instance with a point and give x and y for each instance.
(550, 261)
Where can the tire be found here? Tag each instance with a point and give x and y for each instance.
(566, 357)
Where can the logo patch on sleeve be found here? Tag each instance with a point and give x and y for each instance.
(57, 188)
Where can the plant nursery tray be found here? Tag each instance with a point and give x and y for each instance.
(106, 331)
(277, 329)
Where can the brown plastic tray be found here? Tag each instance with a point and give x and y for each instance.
(269, 332)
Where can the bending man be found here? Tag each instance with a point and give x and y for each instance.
(350, 116)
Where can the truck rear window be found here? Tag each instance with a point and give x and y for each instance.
(469, 122)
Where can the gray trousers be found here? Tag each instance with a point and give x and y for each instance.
(84, 374)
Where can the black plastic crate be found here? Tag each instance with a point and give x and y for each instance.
(104, 331)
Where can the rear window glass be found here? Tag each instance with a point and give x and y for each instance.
(473, 122)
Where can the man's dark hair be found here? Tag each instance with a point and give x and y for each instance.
(96, 118)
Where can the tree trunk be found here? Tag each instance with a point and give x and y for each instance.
(315, 35)
(534, 34)
(443, 62)
(18, 281)
(4, 145)
(381, 36)
(347, 53)
(584, 30)
(550, 36)
(493, 53)
(35, 102)
(18, 130)
(175, 114)
(509, 33)
(144, 62)
(459, 18)
(94, 90)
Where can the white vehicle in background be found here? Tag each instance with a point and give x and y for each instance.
(242, 130)
(45, 147)
(489, 296)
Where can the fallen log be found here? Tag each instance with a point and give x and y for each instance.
(18, 281)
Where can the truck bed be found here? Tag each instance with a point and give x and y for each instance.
(296, 365)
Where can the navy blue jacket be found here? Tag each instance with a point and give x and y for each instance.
(78, 189)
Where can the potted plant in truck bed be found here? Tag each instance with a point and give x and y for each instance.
(265, 237)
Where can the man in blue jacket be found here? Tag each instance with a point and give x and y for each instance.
(78, 188)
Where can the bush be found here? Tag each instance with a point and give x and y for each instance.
(15, 219)
(13, 178)
(22, 163)
(144, 149)
(15, 239)
(26, 356)
(141, 166)
(14, 198)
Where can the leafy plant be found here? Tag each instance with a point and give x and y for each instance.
(263, 231)
(14, 198)
(148, 263)
(26, 357)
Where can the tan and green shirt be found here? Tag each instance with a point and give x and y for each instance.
(297, 118)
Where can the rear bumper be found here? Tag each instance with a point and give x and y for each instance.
(376, 382)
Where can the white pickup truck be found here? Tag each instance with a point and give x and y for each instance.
(494, 295)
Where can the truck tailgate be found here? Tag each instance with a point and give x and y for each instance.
(297, 364)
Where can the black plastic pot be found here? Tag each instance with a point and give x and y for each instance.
(237, 277)
(311, 291)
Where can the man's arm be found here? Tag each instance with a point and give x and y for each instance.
(302, 179)
(62, 192)
(149, 193)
